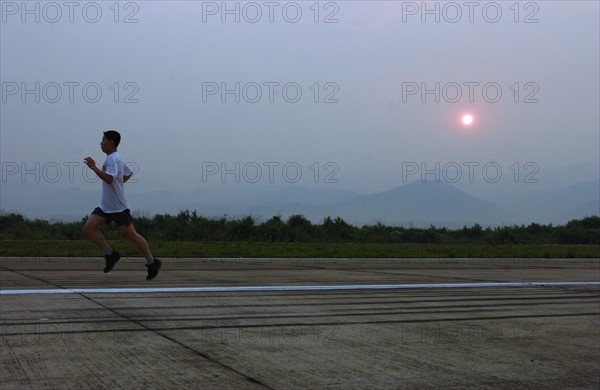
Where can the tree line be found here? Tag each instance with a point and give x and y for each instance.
(190, 226)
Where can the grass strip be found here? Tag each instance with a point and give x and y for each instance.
(227, 249)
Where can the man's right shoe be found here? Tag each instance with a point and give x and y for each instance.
(153, 269)
(111, 260)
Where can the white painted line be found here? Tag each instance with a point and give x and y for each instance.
(292, 288)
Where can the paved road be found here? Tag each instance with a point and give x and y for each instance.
(470, 337)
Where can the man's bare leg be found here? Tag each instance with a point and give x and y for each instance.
(153, 264)
(90, 229)
(140, 242)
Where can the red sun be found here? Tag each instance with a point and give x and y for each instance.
(467, 119)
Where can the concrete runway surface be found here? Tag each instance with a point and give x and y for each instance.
(471, 336)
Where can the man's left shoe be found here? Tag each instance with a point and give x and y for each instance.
(153, 269)
(111, 260)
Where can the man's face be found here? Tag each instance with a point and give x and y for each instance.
(107, 145)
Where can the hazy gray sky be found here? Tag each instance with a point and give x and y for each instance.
(542, 56)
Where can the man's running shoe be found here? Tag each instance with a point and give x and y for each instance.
(111, 260)
(153, 269)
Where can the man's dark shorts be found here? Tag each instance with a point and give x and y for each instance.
(122, 218)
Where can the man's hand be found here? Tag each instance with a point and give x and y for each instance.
(102, 175)
(89, 162)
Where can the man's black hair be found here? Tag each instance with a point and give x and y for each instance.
(114, 136)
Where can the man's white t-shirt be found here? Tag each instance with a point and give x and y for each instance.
(113, 195)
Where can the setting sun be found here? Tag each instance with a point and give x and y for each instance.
(467, 119)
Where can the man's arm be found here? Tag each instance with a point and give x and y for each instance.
(102, 175)
(127, 173)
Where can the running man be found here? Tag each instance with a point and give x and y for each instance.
(114, 206)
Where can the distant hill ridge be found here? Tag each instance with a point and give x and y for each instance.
(412, 204)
